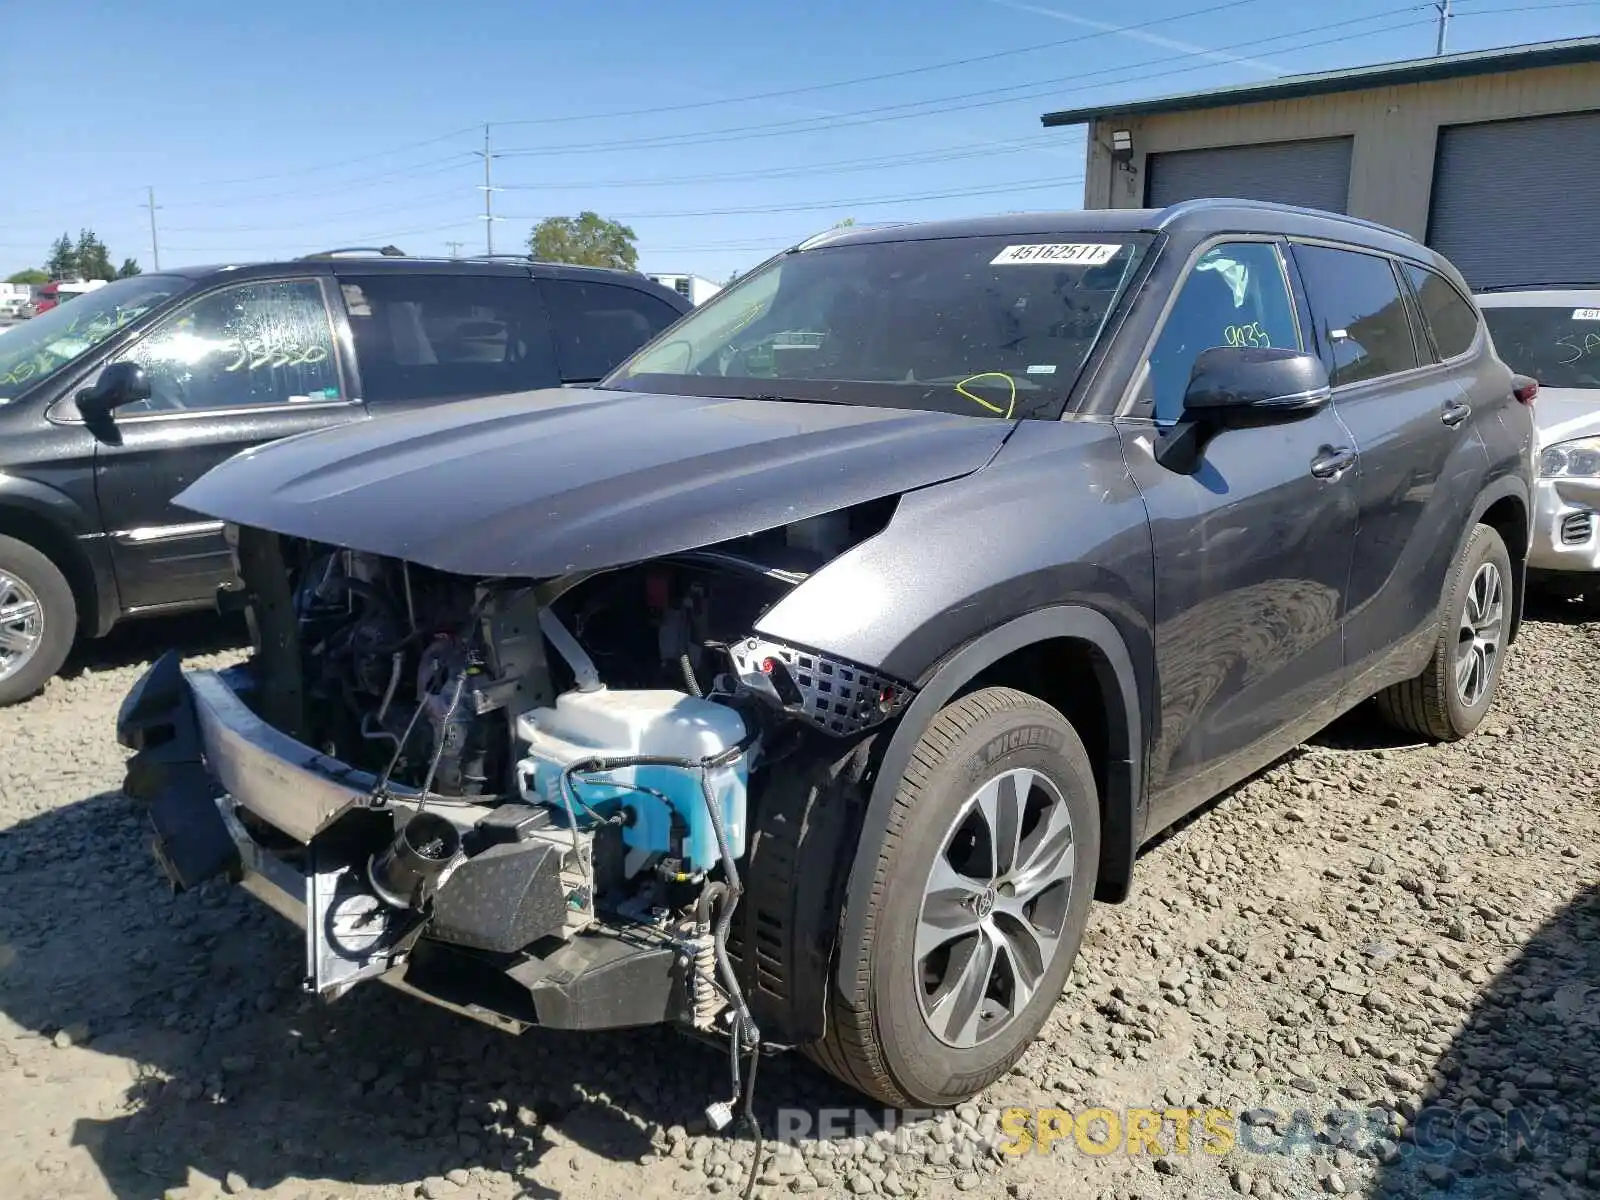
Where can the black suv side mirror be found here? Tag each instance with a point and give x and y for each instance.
(1242, 387)
(119, 384)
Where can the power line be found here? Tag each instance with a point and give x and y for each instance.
(1137, 69)
(900, 74)
(805, 170)
(855, 202)
(847, 120)
(364, 210)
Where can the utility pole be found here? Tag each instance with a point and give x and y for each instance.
(488, 195)
(155, 248)
(455, 248)
(1444, 24)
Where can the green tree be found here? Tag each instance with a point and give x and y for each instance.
(130, 266)
(94, 260)
(845, 224)
(63, 260)
(31, 275)
(588, 240)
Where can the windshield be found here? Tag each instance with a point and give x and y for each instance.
(1560, 347)
(40, 347)
(989, 327)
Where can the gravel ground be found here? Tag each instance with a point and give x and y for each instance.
(1384, 958)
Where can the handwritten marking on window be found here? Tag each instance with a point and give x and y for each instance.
(1011, 383)
(253, 356)
(1247, 335)
(1588, 345)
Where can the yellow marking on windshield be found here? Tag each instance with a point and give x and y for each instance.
(1011, 383)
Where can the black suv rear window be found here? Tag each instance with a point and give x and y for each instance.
(435, 337)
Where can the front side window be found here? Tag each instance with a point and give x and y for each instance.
(1236, 294)
(425, 337)
(42, 346)
(251, 344)
(980, 326)
(1360, 315)
(1452, 320)
(1560, 347)
(597, 325)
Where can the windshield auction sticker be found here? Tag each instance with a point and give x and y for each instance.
(1586, 314)
(1074, 254)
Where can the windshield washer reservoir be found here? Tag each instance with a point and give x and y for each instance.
(628, 724)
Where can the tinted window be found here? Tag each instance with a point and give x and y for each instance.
(599, 324)
(1360, 315)
(1235, 295)
(254, 343)
(437, 337)
(1560, 347)
(981, 326)
(1449, 316)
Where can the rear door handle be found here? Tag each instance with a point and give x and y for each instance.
(1330, 462)
(1455, 412)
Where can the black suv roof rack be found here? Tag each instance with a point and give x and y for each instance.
(385, 251)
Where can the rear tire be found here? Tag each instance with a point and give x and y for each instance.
(915, 1029)
(38, 620)
(1455, 691)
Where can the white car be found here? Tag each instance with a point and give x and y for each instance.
(1553, 335)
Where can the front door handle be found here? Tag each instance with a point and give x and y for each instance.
(1330, 462)
(1455, 412)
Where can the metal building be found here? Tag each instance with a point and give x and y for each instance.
(1492, 157)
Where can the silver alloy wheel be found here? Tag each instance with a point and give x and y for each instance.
(21, 625)
(994, 907)
(1478, 640)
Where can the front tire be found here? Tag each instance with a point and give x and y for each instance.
(977, 907)
(38, 620)
(1455, 691)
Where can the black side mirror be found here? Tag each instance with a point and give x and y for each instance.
(120, 383)
(1243, 387)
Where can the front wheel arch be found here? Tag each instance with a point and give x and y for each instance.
(1123, 816)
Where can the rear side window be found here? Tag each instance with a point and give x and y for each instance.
(1453, 321)
(1359, 313)
(597, 325)
(446, 337)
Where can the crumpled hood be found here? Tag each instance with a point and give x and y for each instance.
(544, 483)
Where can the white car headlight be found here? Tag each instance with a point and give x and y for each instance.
(1577, 459)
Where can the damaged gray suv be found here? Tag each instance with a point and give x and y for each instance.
(803, 683)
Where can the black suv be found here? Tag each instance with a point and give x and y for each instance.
(805, 681)
(115, 401)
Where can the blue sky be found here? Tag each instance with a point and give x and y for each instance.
(277, 129)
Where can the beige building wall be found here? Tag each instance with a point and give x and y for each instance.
(1396, 130)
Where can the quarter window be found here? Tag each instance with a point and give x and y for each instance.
(1360, 316)
(598, 325)
(1235, 295)
(250, 344)
(1453, 321)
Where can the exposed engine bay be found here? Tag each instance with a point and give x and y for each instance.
(552, 777)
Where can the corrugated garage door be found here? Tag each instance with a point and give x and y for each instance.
(1518, 202)
(1314, 174)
